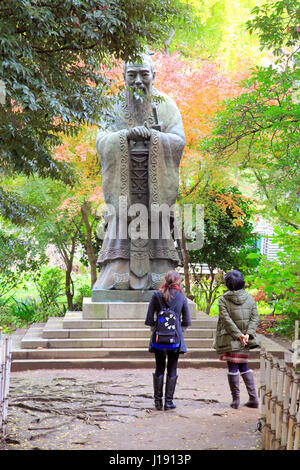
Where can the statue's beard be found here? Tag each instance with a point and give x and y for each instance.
(139, 105)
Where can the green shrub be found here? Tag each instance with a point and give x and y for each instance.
(20, 313)
(285, 327)
(24, 309)
(42, 315)
(279, 279)
(50, 285)
(8, 321)
(83, 290)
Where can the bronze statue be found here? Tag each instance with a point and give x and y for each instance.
(140, 144)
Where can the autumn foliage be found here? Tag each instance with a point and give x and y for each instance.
(80, 152)
(199, 89)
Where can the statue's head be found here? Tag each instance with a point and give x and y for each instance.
(140, 74)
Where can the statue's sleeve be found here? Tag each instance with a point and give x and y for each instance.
(166, 151)
(107, 131)
(173, 137)
(111, 145)
(170, 116)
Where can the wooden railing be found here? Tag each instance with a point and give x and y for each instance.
(280, 403)
(5, 367)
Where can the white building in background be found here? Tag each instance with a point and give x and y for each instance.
(265, 243)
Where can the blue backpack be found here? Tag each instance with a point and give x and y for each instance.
(165, 332)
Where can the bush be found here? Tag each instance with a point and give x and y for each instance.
(50, 285)
(17, 257)
(279, 280)
(285, 327)
(199, 296)
(24, 309)
(20, 313)
(42, 315)
(83, 290)
(8, 321)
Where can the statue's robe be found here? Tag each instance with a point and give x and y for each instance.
(143, 262)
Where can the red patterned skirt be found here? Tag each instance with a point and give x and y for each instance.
(237, 357)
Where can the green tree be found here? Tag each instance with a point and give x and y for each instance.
(229, 241)
(279, 279)
(216, 31)
(86, 193)
(47, 227)
(259, 129)
(17, 256)
(277, 26)
(57, 222)
(51, 54)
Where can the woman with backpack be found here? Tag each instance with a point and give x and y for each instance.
(168, 313)
(236, 335)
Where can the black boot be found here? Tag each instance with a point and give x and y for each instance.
(234, 384)
(158, 382)
(169, 393)
(250, 386)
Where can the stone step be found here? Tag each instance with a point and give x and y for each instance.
(89, 353)
(27, 359)
(55, 329)
(75, 320)
(120, 363)
(116, 333)
(29, 342)
(122, 357)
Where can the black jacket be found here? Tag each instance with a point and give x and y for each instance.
(179, 304)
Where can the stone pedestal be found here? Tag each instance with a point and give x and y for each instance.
(118, 309)
(114, 295)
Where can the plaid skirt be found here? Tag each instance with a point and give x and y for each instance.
(237, 357)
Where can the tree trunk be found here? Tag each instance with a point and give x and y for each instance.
(186, 265)
(69, 292)
(208, 305)
(210, 292)
(89, 246)
(69, 266)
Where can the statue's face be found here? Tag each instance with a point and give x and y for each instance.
(139, 76)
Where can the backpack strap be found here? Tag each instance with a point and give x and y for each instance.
(161, 300)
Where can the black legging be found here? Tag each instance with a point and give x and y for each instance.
(160, 357)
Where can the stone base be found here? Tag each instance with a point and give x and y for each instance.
(120, 309)
(114, 295)
(113, 310)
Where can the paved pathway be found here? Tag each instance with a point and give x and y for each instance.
(113, 410)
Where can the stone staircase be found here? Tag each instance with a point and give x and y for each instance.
(109, 335)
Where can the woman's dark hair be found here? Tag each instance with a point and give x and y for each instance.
(234, 280)
(172, 281)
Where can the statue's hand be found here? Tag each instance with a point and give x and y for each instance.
(139, 133)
